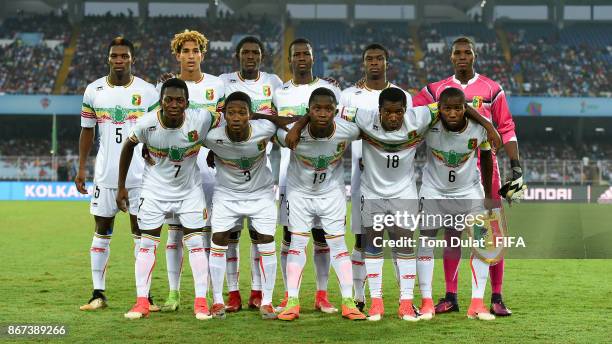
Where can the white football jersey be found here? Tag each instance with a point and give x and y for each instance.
(388, 156)
(242, 173)
(260, 90)
(175, 173)
(315, 166)
(452, 158)
(292, 99)
(365, 98)
(116, 109)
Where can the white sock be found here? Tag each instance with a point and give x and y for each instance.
(233, 261)
(395, 268)
(267, 268)
(217, 263)
(255, 272)
(174, 256)
(145, 263)
(283, 262)
(359, 274)
(136, 245)
(99, 253)
(342, 263)
(296, 262)
(198, 262)
(425, 268)
(480, 272)
(322, 264)
(406, 264)
(374, 268)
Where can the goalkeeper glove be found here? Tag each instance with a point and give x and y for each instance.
(513, 189)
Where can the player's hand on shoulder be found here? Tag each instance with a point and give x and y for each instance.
(292, 138)
(122, 199)
(79, 181)
(331, 81)
(210, 159)
(361, 83)
(165, 77)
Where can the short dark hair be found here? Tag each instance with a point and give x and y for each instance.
(249, 39)
(174, 82)
(392, 94)
(451, 92)
(300, 40)
(237, 96)
(322, 91)
(121, 41)
(463, 39)
(375, 46)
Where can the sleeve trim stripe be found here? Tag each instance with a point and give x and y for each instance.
(501, 91)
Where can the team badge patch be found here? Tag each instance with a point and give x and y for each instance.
(477, 102)
(210, 94)
(491, 233)
(267, 92)
(136, 99)
(193, 136)
(472, 143)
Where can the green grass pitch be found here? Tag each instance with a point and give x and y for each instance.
(45, 277)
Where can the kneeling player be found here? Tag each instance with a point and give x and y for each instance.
(171, 187)
(315, 191)
(452, 186)
(244, 188)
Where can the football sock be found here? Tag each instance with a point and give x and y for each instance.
(406, 264)
(296, 261)
(451, 259)
(99, 253)
(321, 262)
(198, 262)
(395, 268)
(374, 267)
(136, 244)
(145, 262)
(255, 271)
(359, 274)
(480, 272)
(341, 262)
(496, 273)
(233, 261)
(174, 256)
(283, 261)
(425, 268)
(217, 264)
(267, 267)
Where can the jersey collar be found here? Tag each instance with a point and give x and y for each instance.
(371, 90)
(315, 80)
(124, 86)
(245, 80)
(322, 138)
(471, 81)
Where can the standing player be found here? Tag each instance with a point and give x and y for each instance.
(259, 86)
(488, 98)
(171, 187)
(206, 91)
(115, 102)
(452, 185)
(292, 100)
(244, 189)
(315, 192)
(374, 59)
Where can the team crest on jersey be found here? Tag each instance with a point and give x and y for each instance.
(136, 99)
(472, 143)
(477, 102)
(261, 145)
(267, 91)
(193, 136)
(210, 94)
(412, 135)
(118, 114)
(176, 153)
(322, 162)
